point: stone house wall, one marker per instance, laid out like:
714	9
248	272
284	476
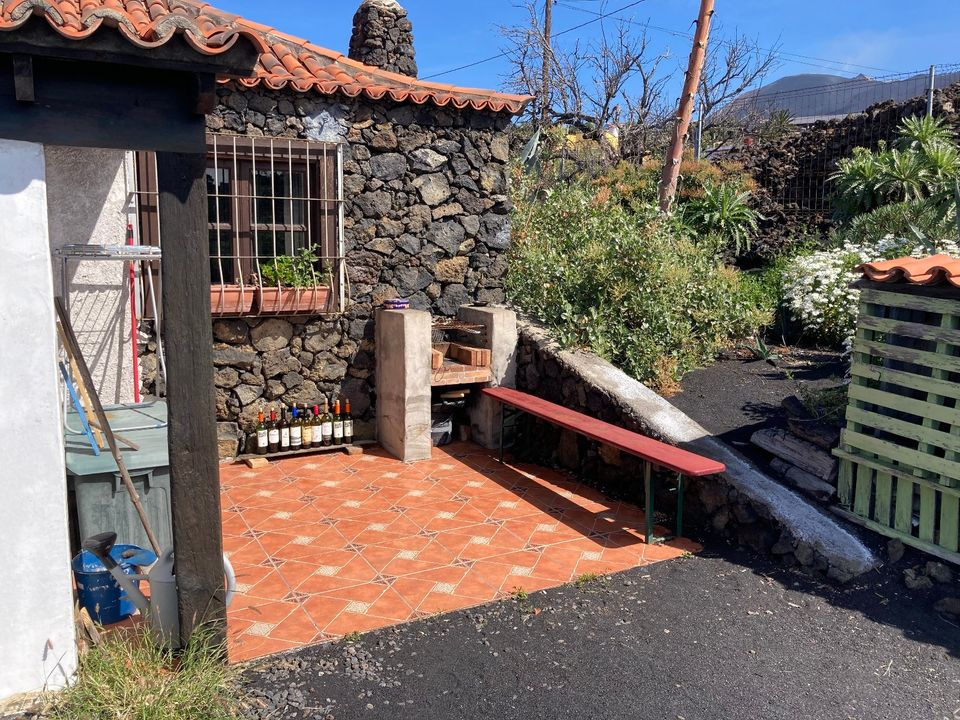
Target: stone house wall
427	218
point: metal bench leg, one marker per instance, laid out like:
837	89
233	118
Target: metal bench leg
648	492
679	504
502	410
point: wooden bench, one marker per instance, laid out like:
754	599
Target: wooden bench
652	452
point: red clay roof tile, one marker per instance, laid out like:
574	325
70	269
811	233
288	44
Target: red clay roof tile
285	60
933	270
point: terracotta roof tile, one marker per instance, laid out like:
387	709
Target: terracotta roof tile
285	60
933	270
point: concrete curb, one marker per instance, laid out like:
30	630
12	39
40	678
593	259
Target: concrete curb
845	555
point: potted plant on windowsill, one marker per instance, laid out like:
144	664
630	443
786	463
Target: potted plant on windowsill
291	285
231	300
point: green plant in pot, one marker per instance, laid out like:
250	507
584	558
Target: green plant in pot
292	284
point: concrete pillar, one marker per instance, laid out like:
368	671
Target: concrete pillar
37	647
500	326
403	383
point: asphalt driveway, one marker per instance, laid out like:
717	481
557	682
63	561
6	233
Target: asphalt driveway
721	635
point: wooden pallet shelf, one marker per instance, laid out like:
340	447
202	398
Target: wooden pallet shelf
900	453
307	451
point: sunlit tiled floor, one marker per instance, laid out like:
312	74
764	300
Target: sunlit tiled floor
331	544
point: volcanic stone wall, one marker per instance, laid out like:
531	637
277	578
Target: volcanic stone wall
793	173
383	37
427	218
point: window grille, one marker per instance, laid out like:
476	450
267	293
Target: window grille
275	224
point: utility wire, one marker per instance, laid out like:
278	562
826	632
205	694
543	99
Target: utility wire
598	18
779	53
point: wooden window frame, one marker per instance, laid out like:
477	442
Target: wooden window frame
243	156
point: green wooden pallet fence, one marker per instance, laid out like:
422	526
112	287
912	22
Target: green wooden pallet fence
900	452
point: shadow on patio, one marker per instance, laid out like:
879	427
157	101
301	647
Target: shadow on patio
332	544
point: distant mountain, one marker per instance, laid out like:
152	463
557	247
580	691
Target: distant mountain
810	96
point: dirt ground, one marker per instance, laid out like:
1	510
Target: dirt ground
738	395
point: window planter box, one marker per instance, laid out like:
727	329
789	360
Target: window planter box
231	300
292	301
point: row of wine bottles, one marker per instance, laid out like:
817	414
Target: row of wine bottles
304	428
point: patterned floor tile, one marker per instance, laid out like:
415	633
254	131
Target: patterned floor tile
332	544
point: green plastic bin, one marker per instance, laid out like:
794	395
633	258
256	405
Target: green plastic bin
102	501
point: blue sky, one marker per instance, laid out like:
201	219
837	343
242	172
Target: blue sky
883	35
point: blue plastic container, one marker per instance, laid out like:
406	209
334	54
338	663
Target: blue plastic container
98	592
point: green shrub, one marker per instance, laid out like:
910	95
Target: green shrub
625	284
292	271
724	211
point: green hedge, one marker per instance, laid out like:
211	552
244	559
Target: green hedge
625	283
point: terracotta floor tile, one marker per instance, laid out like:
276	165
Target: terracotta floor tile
436	602
271	613
393	606
296	628
412	589
272	587
321	583
331	544
362	593
250	647
324	609
346	623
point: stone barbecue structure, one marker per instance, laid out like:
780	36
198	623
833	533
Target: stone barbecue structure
426	214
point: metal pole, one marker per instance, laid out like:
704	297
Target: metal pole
547	59
933	87
698	140
671	166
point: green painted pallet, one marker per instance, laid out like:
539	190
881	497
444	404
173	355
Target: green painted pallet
900	452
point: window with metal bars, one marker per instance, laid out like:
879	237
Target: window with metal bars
275	220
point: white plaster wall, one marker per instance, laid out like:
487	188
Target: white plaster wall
37	647
89	202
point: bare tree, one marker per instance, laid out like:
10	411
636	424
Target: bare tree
613	81
733	66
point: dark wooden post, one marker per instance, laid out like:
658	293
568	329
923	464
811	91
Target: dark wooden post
195	483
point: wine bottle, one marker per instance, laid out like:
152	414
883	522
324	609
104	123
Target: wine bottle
337	424
347	424
296	429
273	433
284	431
327	424
263	440
307	421
317	427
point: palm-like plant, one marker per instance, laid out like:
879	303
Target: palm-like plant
857	183
723	210
917	177
919	132
904	175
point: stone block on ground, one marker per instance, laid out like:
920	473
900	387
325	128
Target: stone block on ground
805	455
802	480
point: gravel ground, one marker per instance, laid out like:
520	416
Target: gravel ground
721	635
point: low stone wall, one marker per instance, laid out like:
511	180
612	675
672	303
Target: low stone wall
743	505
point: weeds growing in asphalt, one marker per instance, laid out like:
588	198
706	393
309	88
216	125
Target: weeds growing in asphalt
128	677
586	579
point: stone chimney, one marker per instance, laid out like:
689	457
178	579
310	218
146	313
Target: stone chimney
383	37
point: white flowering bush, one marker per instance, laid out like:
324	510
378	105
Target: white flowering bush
817	288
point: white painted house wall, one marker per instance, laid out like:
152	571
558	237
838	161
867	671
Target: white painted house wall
90	201
37	647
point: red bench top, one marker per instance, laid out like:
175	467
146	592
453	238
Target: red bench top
667	456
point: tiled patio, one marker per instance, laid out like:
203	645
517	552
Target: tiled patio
331	544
